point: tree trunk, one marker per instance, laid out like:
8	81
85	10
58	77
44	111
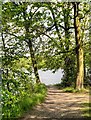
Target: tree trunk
34	63
28	40
33	59
56	26
66	12
79	49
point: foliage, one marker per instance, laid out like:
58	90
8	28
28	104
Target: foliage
14	105
19	91
45	32
34	98
48	23
69	89
87	107
86	110
73	90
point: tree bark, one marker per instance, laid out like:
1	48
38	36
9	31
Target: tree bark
34	63
29	42
33	59
66	12
56	26
79	49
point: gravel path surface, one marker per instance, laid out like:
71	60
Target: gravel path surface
58	105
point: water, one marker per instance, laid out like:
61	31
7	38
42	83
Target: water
49	78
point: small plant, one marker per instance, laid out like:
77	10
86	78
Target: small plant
15	105
69	89
73	90
84	90
87	110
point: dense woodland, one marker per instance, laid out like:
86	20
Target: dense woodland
45	36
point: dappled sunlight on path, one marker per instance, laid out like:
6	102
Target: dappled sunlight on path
58	105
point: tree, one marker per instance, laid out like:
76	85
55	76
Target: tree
79	48
18	12
60	20
29	42
69	58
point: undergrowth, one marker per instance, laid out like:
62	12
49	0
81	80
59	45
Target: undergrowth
16	106
37	97
86	110
72	89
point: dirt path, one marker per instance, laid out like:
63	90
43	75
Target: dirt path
58	105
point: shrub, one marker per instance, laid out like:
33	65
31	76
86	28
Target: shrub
15	105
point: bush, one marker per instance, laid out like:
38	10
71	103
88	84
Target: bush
15	105
36	97
39	88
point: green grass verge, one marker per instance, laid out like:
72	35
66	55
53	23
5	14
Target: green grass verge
26	102
37	97
86	110
73	90
86	106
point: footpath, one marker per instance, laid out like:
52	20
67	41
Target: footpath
58	105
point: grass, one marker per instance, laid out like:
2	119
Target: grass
86	110
69	89
25	103
72	89
37	97
86	106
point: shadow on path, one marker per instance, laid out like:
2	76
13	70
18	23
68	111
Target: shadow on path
58	105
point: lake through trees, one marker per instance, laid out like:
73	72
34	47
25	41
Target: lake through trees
50	78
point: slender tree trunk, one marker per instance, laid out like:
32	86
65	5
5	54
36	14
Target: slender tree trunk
32	53
65	10
56	26
79	49
67	59
34	62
